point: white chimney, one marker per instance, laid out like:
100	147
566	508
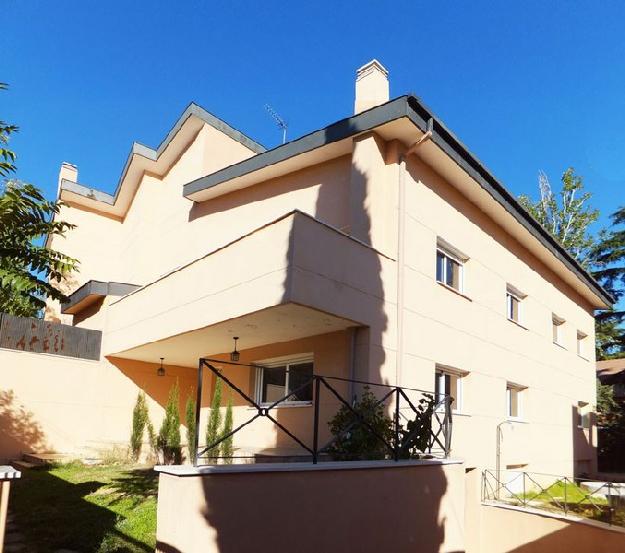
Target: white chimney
68	172
371	86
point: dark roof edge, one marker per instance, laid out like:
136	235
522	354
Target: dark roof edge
142	150
454	148
97	288
424	119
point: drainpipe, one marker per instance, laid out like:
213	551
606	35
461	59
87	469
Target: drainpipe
498	456
352	366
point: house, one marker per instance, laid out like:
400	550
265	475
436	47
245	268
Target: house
375	249
611	372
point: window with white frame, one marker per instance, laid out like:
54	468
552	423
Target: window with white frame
557	327
448	381
283	377
514	396
582	343
583	414
514	299
450	266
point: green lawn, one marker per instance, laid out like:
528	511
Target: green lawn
101	509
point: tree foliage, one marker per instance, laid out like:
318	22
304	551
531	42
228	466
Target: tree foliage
214	422
139	422
169	434
227	449
29	272
190	420
566	216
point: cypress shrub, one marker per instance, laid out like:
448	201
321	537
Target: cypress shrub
226	446
169	435
139	421
214	422
190	420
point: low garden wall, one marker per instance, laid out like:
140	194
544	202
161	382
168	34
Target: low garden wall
360	506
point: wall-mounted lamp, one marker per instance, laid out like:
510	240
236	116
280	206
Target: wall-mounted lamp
234	355
161	370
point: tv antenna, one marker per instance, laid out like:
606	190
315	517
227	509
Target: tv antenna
282	124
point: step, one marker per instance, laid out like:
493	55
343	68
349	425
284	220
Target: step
43	459
22	465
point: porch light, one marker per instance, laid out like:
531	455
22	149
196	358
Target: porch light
234	355
161	370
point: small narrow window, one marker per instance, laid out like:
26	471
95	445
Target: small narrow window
583	414
557	327
449	267
514	300
449	382
581	344
513	401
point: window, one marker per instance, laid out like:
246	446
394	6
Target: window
449	266
514	394
448	381
581	343
514	299
557	328
292	377
583	414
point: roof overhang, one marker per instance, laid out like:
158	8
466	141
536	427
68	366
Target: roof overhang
92	291
407	119
158	161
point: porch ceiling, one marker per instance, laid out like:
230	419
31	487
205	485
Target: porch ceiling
273	325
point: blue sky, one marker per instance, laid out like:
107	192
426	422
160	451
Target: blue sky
526	85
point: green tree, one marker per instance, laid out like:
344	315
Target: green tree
29	272
169	434
214	422
190	420
139	421
354	440
227	448
609	260
566	216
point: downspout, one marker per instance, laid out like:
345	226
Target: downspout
401	241
351	391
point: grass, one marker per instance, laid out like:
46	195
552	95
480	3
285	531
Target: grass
104	509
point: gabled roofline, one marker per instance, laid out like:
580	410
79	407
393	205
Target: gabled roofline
141	150
424	119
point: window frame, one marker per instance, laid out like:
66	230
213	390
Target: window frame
515	293
455	255
557	326
443	371
287	362
583	415
518	390
582	344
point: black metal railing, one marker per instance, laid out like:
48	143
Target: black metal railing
394	423
563	495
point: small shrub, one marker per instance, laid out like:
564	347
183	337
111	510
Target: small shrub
169	435
190	420
227	448
139	420
414	439
214	422
353	439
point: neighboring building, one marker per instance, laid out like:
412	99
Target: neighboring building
611	372
377	248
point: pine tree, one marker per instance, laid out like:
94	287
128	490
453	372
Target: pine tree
190	420
169	434
227	448
214	422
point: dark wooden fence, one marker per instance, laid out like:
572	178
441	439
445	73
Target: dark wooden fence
39	336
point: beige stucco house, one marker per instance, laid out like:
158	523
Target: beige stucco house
378	248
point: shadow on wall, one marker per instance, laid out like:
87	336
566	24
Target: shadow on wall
315	511
19	430
584	446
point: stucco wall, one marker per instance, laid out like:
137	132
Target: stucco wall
506	530
60	404
418	508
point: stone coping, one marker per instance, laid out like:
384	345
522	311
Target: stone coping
9	473
189	470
